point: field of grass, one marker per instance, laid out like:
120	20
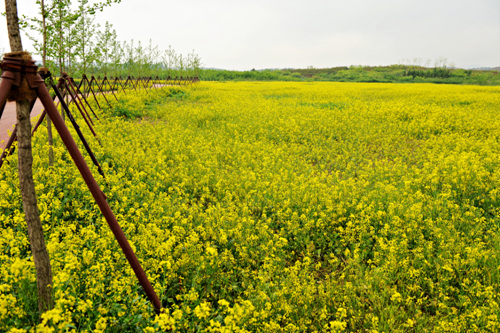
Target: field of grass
382	74
272	207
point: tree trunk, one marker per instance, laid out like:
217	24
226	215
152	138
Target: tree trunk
61	57
35	230
44	62
25	161
13	25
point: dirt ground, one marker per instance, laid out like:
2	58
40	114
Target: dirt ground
8	120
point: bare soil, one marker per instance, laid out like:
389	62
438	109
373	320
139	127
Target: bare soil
9	120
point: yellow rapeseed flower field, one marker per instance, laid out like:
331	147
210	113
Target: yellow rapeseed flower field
271	207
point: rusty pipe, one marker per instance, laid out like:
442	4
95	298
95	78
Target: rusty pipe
85	79
76	100
78	131
100	88
81	112
80	95
93	186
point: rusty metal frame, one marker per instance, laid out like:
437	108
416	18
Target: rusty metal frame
143	82
9	148
76	98
90	89
93	79
105	79
116	82
126	81
77	128
81	96
13	71
87	118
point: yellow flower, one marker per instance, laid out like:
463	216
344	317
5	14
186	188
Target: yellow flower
202	310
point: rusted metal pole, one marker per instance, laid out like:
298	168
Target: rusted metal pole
119	82
98	196
81	112
39	122
9	148
114	84
125	83
102	92
43	75
143	84
37	83
81	96
110	86
76	98
80	85
131	82
91	89
147	83
5	87
78	131
84	77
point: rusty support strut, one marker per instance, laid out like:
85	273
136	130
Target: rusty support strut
81	96
89	89
77	129
13	69
9	148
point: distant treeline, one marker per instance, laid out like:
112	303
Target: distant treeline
393	73
68	40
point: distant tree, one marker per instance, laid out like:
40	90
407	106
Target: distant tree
140	54
169	60
86	30
105	40
181	64
48	25
153	58
116	57
195	63
45	25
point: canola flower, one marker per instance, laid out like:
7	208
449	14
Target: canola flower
271	207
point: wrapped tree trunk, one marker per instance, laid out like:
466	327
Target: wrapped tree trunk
22	95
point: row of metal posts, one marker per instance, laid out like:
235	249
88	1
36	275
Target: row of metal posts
15	70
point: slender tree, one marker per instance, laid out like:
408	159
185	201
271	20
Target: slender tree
181	64
140	53
44	25
44	13
86	30
105	44
154	56
88	53
116	57
27	186
130	57
170	60
196	64
46	30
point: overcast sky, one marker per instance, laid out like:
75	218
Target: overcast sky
242	35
